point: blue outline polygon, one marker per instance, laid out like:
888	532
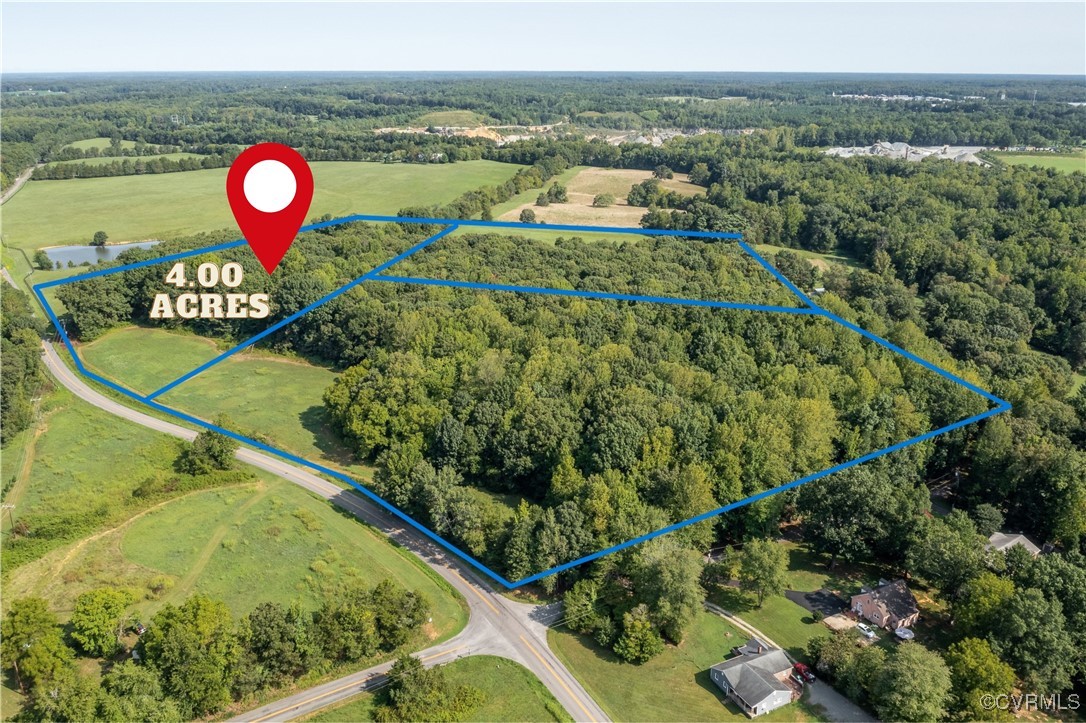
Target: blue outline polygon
809	308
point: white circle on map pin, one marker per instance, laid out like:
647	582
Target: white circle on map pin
270	186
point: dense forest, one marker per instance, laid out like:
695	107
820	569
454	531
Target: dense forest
335	116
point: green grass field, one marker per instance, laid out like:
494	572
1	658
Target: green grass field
786	623
273	542
18	264
99	143
258	539
673	686
512	693
133	208
820	260
144	359
103	160
244	544
271	398
454	118
77	459
1064	162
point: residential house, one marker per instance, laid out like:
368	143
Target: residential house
890	605
1003	541
757	683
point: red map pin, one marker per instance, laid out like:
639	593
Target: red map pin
270	188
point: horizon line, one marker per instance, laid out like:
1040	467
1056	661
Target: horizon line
1005	74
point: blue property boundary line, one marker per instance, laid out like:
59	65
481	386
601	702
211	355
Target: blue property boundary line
810	309
301	312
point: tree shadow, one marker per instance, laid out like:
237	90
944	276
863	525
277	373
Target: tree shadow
603	653
315	420
732	599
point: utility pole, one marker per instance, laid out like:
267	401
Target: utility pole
9	507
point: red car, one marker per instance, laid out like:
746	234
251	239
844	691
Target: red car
804	671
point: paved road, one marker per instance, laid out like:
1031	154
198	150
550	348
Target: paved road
496	625
18	182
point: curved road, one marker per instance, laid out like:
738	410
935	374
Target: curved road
496	625
18	182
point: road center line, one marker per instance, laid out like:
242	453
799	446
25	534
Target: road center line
576	699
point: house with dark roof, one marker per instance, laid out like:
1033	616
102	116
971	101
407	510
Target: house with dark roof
754	646
890	605
757	683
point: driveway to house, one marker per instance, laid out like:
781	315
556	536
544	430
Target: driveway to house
837	707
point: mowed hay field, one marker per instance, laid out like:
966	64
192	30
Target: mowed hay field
673	686
101	143
133	208
1063	162
584	184
511	693
274	399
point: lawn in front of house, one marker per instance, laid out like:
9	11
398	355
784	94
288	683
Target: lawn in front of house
673	686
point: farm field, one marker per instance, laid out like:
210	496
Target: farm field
18	265
453	118
144	359
673	686
134	208
584	184
512	694
100	143
1064	162
239	387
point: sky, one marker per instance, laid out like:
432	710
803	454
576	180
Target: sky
909	37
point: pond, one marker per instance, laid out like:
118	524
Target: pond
92	254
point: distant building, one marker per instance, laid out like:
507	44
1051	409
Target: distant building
757	683
890	605
1003	541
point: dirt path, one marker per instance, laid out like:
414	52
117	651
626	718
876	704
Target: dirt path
14	187
185	585
57	568
741	624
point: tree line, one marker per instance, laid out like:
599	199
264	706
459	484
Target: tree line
340	117
22	377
